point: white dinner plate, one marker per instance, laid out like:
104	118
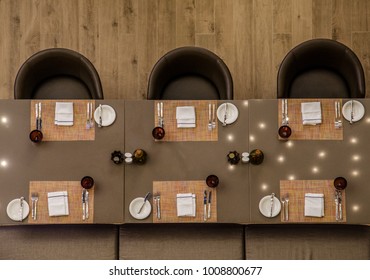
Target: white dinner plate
358	111
232	113
265	206
135	206
108	115
14	209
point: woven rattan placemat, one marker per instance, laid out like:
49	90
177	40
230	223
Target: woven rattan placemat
74	190
297	190
324	131
199	133
168	191
52	132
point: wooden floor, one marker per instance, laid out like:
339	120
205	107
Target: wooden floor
124	38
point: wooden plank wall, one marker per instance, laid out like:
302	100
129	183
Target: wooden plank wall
124	38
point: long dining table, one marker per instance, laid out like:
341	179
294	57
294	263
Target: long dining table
241	187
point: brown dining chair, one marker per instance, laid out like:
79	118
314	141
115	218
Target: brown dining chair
190	73
57	73
321	68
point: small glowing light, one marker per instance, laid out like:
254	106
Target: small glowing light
353	140
264	187
322	154
245	103
291	177
368	120
231	167
281	158
355	173
252	138
262	125
356	157
355	208
315	169
289	144
4	163
4	119
230	137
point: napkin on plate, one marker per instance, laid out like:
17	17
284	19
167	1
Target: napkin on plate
311	113
185	116
58	203
186	204
64	113
314	204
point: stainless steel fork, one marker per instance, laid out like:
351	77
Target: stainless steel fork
34	199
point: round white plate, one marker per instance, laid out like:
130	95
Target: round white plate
135	206
108	115
265	206
358	111
14	209
232	113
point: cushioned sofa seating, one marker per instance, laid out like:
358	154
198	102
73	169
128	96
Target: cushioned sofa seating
181	241
318	242
53	242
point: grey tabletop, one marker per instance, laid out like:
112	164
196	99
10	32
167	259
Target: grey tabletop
23	161
191	160
310	160
241	186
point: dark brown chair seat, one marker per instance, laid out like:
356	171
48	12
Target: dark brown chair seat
321	68
190	73
57	74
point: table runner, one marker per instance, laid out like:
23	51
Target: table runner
297	190
52	132
325	131
74	190
199	133
168	191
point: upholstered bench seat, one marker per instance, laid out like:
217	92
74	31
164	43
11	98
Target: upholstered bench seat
181	241
59	242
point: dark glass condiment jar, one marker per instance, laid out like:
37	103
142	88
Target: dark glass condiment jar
139	156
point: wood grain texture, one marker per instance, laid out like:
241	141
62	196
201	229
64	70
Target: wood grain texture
125	38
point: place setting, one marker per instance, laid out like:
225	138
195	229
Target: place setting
63	120
309	119
179	120
60	202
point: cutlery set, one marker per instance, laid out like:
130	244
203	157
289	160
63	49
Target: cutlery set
34	199
38	116
160	114
85	204
284	108
207	203
338	117
211	116
89	116
285	203
338	206
157	201
351	117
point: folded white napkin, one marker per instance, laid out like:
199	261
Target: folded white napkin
314	204
58	203
186	205
185	116
311	113
64	113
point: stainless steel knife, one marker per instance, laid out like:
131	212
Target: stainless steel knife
145	199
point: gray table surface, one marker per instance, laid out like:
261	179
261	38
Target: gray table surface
60	161
241	186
